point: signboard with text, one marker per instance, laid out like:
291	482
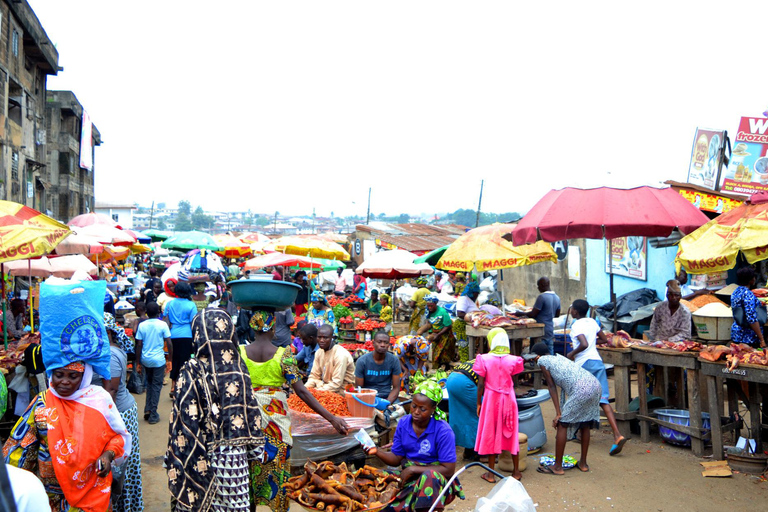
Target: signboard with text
628	256
748	169
709	202
706	158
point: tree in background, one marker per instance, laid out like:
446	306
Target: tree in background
404	218
200	220
183	220
161	225
468	218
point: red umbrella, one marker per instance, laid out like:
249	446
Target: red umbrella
607	213
87	219
279	259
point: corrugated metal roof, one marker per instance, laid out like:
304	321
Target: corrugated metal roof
414	237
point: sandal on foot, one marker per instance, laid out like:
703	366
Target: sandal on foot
616	448
546	470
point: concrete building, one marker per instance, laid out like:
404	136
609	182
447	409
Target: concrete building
27	57
122	213
71	190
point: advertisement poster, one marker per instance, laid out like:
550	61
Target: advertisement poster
748	169
86	138
629	257
710	202
706	158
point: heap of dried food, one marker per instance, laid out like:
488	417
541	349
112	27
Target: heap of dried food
335	404
330	488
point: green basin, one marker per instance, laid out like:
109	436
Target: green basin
250	293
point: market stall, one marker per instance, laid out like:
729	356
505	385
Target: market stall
661	358
621	359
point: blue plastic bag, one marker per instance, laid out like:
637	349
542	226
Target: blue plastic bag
72	325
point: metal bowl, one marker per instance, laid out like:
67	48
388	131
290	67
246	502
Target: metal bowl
251	293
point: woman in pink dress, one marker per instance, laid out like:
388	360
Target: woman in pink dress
496	403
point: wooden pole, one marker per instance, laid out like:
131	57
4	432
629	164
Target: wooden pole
479	203
368	215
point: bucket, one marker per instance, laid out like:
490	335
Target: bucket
361	410
680	417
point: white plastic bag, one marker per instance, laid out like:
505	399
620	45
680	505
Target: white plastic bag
509	495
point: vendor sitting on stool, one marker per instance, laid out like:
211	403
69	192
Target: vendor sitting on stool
379	369
425	446
333	368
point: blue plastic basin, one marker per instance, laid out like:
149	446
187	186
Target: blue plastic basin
251	293
679	417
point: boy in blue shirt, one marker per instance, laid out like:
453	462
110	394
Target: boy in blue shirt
151	336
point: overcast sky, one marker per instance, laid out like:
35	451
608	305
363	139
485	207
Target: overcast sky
289	105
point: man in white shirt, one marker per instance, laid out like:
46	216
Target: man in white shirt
28	491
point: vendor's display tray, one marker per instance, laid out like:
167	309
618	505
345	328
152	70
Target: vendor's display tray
665	351
375	509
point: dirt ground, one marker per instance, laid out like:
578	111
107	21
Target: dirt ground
650	476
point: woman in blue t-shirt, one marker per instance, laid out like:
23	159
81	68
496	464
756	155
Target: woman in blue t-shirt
179	313
425	446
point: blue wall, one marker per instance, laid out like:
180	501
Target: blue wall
660	269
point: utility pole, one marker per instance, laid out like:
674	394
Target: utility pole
151	214
368	216
275	227
313	220
479	202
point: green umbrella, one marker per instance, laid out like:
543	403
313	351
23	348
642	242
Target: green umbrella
186	240
327	264
156	235
432	257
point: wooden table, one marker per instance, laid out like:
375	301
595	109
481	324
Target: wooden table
621	359
477	336
659	357
716	372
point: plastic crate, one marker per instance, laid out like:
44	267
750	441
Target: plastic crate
679	417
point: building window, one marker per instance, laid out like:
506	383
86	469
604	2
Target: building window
114	217
15	43
15	165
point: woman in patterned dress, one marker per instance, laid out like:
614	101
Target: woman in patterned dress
271	368
413	353
215	429
744	298
321	313
581	411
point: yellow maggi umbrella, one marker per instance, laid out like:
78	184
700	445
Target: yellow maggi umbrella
485	249
27	233
310	247
715	245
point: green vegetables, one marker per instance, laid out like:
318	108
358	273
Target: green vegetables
340	311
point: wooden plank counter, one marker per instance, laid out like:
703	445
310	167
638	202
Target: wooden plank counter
659	357
716	374
621	359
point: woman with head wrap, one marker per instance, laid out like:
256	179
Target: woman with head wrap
418	318
272	368
215	429
439	325
458	287
130	498
413	352
169	292
425	446
496	404
465	304
69	437
320	313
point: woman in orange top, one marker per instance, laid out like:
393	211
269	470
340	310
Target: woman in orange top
69	436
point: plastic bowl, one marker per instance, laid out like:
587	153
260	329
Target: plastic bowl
250	293
680	417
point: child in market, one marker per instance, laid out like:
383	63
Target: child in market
497	429
585	333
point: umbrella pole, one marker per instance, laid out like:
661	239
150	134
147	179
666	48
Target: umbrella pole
501	287
5	324
31	298
610	277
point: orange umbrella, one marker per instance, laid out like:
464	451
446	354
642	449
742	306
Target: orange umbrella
309	247
250	238
231	247
65	266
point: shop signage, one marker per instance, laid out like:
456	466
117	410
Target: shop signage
706	158
561	249
710	202
628	258
748	169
